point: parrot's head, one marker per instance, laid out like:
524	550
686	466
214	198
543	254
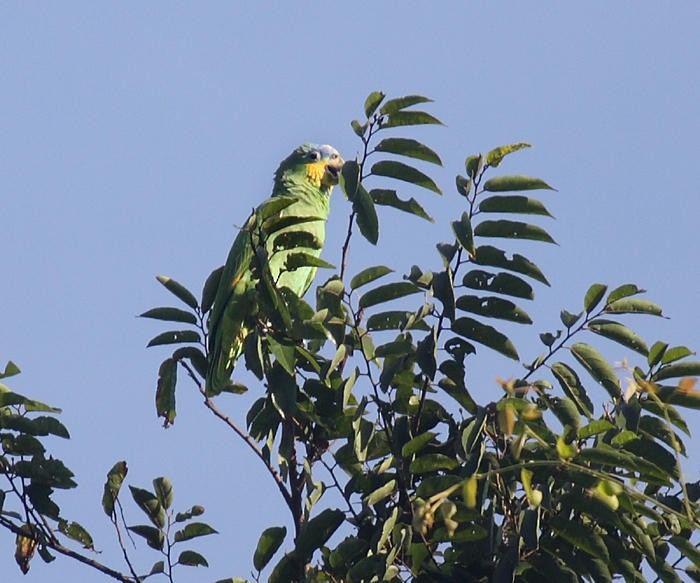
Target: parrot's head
320	166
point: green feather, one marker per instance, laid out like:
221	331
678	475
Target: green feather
296	211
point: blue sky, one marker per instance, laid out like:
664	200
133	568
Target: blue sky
133	137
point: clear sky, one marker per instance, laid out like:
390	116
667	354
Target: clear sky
134	136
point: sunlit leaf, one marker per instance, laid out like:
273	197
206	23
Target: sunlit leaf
401	171
381	493
76	532
417	443
623	291
433	462
512	230
495	156
656	352
163	489
151	506
473	165
11	369
675	353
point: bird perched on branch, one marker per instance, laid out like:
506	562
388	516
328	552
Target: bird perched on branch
295	214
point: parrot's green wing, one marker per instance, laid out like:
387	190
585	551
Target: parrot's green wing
294	216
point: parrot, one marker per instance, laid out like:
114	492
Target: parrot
305	179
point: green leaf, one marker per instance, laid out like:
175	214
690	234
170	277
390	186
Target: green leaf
513	204
674	371
369	274
593	296
165	391
381	493
493	308
623	291
277	223
171	315
372	102
394	105
350	179
296	239
192	559
317	531
595	427
270	541
473	164
11	369
656	352
389	198
195	356
154	537
433	462
409	118
299	259
194	511
192	530
581	537
359	128
401	171
211	286
569	319
367	220
512	230
76	532
515	183
164	491
495	156
115	478
417	443
408	147
492	256
618	333
387	292
463	184
675	353
272	207
174	337
501	283
151	506
485	335
633	306
464	234
178	290
599	368
572	387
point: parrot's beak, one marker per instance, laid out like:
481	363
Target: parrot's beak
332	171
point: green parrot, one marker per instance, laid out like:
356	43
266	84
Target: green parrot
305	178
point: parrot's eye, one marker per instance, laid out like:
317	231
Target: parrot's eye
314	156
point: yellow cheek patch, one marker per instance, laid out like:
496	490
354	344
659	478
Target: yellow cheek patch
315	172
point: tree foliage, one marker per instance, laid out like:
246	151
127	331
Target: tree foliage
391	468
